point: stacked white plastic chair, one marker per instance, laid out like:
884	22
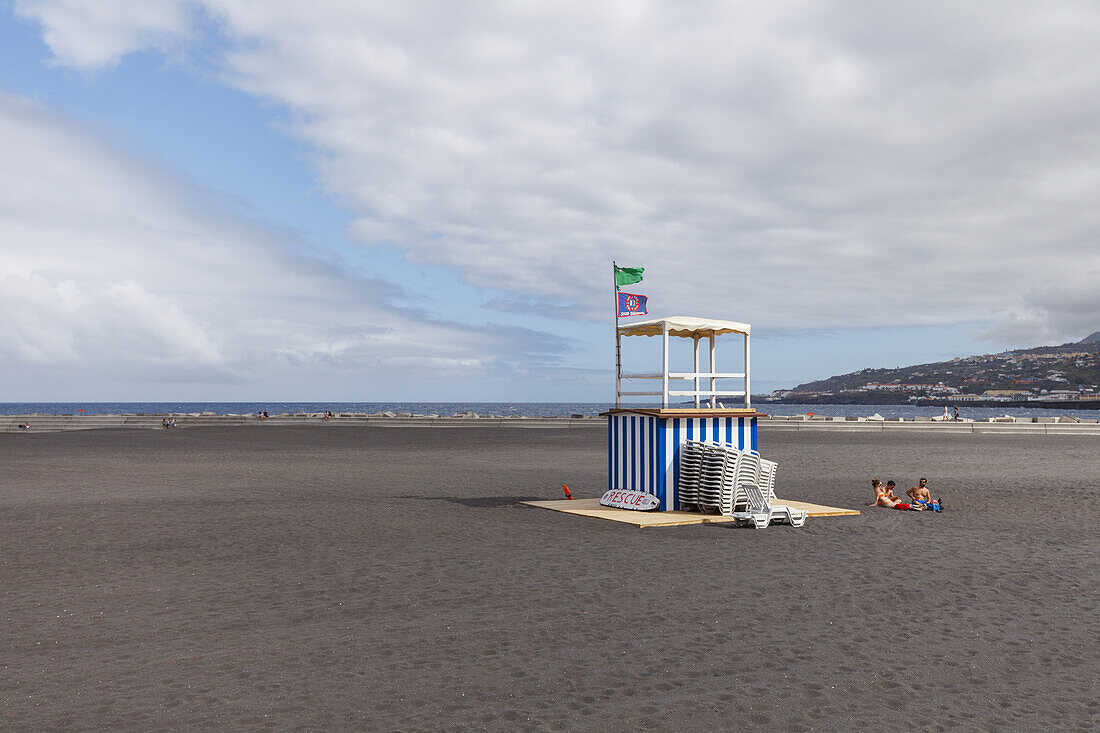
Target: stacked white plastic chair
747	472
712	478
727	493
711	474
737	483
767	478
691	466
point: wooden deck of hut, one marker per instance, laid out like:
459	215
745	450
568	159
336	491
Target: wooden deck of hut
593	508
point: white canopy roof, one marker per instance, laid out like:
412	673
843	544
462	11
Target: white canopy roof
685	326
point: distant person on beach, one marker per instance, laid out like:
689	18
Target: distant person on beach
946	415
920	492
890	486
956	413
884	496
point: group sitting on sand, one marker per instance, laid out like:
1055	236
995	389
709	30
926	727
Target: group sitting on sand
921	497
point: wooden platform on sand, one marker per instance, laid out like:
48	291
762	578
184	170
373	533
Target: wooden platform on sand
593	508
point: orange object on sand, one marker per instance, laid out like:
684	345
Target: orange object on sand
568	493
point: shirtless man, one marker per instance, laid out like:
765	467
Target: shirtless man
920	492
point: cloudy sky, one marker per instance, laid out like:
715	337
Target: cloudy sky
248	200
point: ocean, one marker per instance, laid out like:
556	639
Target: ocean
536	409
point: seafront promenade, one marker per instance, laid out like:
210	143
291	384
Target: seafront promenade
1046	425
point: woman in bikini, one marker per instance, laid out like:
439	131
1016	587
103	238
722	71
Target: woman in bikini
884	496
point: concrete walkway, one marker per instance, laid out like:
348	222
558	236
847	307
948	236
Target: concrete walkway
1026	425
58	423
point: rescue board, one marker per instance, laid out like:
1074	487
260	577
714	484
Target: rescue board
636	500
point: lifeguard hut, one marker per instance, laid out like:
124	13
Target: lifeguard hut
644	442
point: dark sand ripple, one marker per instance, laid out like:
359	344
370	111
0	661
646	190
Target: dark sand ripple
387	579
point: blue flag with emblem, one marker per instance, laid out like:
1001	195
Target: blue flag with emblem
632	305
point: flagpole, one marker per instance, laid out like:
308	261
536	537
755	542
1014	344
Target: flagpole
618	341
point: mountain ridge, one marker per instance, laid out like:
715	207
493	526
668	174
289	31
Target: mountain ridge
1066	371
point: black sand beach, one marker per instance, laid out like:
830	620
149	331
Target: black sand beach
387	579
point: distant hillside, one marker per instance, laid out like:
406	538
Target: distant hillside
1042	371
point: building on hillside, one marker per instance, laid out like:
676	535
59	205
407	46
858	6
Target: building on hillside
940	388
1009	393
1061	394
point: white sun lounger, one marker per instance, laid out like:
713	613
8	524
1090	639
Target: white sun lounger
762	512
767	478
747	472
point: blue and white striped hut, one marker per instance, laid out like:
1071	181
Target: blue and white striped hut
644	443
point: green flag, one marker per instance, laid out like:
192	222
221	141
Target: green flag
628	275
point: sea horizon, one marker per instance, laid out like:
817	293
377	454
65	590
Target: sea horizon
505	408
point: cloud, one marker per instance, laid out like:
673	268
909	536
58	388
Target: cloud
1061	311
802	165
116	269
89	36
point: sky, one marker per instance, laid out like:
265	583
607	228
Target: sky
235	200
